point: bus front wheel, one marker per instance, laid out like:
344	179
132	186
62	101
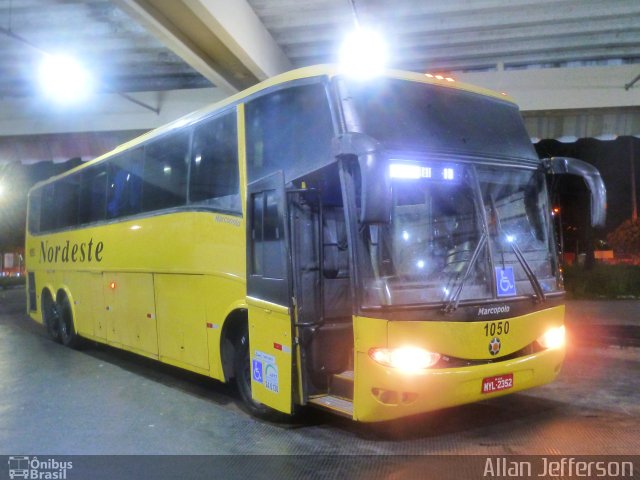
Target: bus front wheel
68	334
242	366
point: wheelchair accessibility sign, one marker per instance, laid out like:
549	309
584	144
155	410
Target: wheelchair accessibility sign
257	371
505	282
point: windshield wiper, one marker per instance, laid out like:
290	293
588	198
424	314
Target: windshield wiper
510	239
455	298
528	271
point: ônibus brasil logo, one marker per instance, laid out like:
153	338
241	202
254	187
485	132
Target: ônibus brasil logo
36	469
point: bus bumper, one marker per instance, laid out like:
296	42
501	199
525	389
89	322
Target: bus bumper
382	393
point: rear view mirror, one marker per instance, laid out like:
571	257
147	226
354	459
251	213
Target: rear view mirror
375	202
591	176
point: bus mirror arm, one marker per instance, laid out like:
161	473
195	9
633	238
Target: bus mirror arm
375	205
590	175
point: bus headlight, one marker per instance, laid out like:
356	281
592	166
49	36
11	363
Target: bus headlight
406	359
553	338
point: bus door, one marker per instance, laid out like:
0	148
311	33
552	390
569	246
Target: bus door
269	296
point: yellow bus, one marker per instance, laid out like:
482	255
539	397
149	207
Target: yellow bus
378	248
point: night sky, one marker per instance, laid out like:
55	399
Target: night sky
612	158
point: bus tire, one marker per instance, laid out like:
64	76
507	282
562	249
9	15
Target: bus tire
242	367
51	318
68	335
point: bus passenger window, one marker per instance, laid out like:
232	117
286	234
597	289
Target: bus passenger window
214	180
125	184
165	172
48	212
93	195
290	129
35	205
65	197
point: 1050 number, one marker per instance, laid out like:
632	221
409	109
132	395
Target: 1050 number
496	328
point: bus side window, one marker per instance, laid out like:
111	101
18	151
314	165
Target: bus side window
65	197
165	172
35	206
125	184
290	129
214	180
93	195
48	212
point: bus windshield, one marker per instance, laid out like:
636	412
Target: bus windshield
438	222
414	116
435	227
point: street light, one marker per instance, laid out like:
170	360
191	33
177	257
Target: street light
63	78
363	53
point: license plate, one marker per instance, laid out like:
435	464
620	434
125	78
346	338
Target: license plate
495	384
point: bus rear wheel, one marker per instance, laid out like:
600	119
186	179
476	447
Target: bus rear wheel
68	334
242	366
51	317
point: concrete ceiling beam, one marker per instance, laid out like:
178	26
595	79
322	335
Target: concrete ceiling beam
224	41
238	26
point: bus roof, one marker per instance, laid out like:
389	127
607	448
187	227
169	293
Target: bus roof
328	70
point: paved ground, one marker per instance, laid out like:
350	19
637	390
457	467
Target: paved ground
103	401
615	322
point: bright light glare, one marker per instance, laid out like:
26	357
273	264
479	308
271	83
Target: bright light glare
405	234
64	79
553	338
413	172
405	359
510	238
420	264
399	170
363	54
447	173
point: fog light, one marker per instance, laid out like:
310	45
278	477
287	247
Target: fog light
553	338
405	359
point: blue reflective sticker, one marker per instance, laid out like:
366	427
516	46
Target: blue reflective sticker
505	281
256	371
